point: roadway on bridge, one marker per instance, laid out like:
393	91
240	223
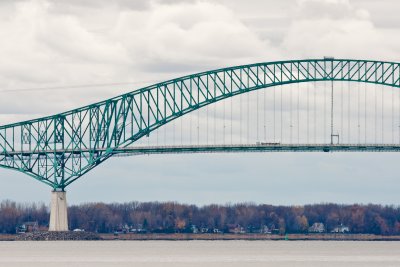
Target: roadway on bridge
223	148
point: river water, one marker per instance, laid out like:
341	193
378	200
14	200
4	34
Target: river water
199	253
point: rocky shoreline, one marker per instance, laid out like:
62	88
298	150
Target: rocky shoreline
55	236
248	237
82	236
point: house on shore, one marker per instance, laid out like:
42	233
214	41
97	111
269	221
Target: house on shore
317	227
27	227
341	229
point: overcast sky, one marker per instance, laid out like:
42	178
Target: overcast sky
56	47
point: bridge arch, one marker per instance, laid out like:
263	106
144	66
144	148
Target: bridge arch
59	149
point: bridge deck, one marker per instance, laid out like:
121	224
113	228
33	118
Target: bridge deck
259	148
235	148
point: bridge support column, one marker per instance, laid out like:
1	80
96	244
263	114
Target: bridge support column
58	211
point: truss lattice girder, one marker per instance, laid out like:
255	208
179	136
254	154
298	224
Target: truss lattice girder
59	149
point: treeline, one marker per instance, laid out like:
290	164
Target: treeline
172	217
13	215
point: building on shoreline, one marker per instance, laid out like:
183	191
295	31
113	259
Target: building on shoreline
317	227
341	229
27	227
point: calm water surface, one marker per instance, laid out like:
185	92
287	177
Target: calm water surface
199	253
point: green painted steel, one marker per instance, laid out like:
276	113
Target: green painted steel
256	148
59	149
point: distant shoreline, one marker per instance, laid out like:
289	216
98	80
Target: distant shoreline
228	237
289	237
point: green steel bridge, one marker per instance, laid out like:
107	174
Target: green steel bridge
57	150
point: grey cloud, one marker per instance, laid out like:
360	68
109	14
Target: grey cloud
122	4
173	2
316	9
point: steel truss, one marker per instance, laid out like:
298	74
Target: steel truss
59	149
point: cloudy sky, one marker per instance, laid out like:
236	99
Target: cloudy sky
58	55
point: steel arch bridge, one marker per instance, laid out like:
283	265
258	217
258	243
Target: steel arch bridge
59	149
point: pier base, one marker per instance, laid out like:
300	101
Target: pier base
58	211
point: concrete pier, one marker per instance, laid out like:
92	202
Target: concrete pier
58	211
